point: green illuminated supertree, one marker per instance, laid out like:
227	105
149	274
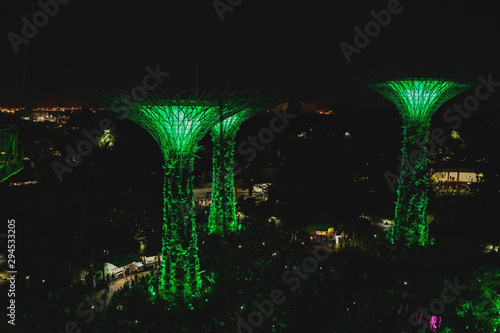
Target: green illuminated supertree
416	99
178	121
222	218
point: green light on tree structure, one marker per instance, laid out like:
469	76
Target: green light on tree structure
10	159
479	306
178	121
223	207
416	99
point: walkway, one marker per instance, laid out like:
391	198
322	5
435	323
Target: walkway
115	285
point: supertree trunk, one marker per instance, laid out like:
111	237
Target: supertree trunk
417	98
223	208
180	268
411	224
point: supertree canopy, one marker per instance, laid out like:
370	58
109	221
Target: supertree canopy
416	99
10	159
178	121
222	216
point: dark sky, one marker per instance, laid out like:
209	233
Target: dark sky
278	45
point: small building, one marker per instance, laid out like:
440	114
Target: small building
116	266
149	260
96	274
202	195
457	175
325	231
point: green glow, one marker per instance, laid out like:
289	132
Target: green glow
178	126
180	267
12	173
223	207
231	125
416	99
410	225
479	306
10	159
178	121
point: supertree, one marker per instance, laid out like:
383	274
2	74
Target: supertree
178	121
222	218
417	99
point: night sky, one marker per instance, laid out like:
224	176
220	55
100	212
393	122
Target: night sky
332	171
291	47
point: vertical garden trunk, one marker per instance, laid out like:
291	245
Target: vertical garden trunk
180	268
223	200
410	224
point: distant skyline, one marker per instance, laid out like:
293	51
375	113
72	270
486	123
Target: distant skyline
273	46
